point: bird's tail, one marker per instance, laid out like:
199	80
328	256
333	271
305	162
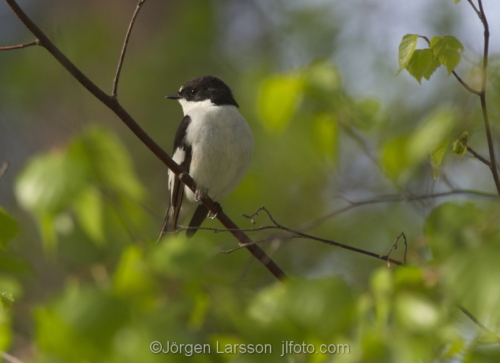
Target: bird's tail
167	225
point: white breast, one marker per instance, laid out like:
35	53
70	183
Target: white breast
222	147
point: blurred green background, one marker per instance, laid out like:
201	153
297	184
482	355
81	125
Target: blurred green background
83	280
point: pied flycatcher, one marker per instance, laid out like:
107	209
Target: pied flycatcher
213	143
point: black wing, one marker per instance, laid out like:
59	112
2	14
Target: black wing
177	192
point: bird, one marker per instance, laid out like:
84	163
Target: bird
213	144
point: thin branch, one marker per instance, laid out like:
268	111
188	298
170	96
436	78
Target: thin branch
462	82
467	87
298	234
475	9
219	230
488	332
10	358
482	95
113	104
479	157
395	246
124	48
20	46
392	198
3	168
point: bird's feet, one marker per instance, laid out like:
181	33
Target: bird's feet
199	194
218	208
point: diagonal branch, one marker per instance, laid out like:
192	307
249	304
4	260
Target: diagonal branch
479	157
467	87
124	48
3	168
113	104
482	94
478	13
394	198
488	332
460	80
298	234
20	46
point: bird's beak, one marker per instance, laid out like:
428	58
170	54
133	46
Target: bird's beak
174	96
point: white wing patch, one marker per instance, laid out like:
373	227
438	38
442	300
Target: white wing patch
178	157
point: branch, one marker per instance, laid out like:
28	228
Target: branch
479	324
462	82
352	205
20	46
482	94
3	168
10	358
124	48
391	198
479	157
475	9
298	234
113	104
395	246
467	87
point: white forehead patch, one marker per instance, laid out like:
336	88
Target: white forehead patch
180	89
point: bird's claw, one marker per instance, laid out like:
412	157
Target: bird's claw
213	216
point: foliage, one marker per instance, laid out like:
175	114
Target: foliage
90	285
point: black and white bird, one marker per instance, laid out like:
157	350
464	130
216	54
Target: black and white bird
213	143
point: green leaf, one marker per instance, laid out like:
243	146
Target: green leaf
132	277
88	207
305	306
406	49
422	64
175	257
460	145
447	50
437	154
8	228
404	152
5	323
431	134
6	300
325	135
49	182
417	313
395	156
322	79
48	232
457	1
108	162
278	99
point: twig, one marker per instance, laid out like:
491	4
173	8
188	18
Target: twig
113	104
482	94
3	168
391	198
467	87
10	358
308	236
475	9
479	157
20	46
395	246
219	230
479	324
462	82
124	48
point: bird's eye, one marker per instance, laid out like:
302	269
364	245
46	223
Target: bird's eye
193	91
